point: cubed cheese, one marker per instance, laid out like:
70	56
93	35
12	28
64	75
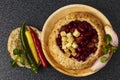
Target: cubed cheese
68	45
64	47
67	53
64	39
76	33
70	39
69	35
74	45
74	54
72	50
63	33
64	43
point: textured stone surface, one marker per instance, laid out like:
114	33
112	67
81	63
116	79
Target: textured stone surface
35	12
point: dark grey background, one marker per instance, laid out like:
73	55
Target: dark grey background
13	12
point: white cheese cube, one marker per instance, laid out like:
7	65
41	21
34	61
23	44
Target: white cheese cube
76	33
72	50
64	47
70	39
63	33
69	35
64	39
74	45
64	43
68	45
66	50
67	53
74	54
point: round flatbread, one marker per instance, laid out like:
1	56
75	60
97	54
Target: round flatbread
14	41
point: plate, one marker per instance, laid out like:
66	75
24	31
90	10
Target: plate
49	25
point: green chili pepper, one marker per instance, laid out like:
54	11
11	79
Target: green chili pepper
28	53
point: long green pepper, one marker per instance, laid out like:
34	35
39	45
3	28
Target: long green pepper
28	53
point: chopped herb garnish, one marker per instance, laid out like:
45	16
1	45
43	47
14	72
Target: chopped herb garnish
18	52
22	60
106	48
104	59
15	51
13	63
114	49
20	55
107	38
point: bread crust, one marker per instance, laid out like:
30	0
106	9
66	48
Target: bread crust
14	41
59	56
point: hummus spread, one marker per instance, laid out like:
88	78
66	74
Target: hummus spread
71	63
